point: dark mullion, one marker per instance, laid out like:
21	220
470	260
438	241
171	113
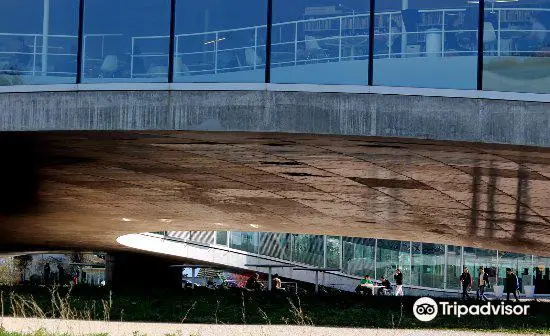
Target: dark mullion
80	42
172	39
371	43
480	46
268	41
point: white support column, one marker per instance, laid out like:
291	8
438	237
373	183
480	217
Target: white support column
445	267
325	254
375	256
316	282
341	261
269	278
45	34
498	267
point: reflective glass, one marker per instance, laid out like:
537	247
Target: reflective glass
308	249
245	241
517	45
542	275
358	256
275	245
428	265
429	44
392	254
126	40
38	41
220	41
475	258
320	41
221	238
333	251
205	237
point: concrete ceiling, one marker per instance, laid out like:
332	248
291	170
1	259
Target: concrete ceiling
84	189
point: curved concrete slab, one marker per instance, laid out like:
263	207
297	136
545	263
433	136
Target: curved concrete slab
83	190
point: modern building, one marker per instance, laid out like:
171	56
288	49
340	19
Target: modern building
399	121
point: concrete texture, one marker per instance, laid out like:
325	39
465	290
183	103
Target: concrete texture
438	118
163	329
83	190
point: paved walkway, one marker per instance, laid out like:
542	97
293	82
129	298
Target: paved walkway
163	329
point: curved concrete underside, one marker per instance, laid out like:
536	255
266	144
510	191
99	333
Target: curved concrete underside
85	189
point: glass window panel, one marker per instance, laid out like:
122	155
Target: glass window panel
542	275
517	45
426	44
358	256
205	237
333	252
38	41
308	249
221	238
320	41
126	40
475	258
245	241
392	254
275	245
220	41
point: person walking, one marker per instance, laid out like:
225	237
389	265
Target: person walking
482	282
398	277
466	282
512	284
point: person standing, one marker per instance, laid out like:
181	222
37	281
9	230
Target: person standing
482	282
512	284
398	277
466	282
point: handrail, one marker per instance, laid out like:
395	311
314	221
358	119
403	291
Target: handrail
293	56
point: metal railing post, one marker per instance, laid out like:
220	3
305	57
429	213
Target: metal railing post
216	52
171	39
80	52
340	42
498	33
389	37
443	34
132	60
34	57
295	43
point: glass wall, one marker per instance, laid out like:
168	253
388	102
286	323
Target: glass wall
320	41
245	241
220	41
126	41
334	247
308	249
358	256
38	41
517	46
422	264
417	43
275	245
426	43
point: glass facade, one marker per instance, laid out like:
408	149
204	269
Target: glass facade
426	43
320	42
517	46
220	41
126	40
412	43
423	265
38	42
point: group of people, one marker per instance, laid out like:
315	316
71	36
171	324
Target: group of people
253	283
367	285
482	282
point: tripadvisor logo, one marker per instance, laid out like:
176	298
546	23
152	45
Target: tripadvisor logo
426	309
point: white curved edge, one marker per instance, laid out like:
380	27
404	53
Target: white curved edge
319	88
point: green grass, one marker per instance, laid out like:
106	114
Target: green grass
234	307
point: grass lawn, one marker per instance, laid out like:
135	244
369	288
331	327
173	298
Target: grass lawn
236	307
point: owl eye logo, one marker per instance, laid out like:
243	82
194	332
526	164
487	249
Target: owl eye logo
425	309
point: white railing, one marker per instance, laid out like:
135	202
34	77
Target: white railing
328	39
